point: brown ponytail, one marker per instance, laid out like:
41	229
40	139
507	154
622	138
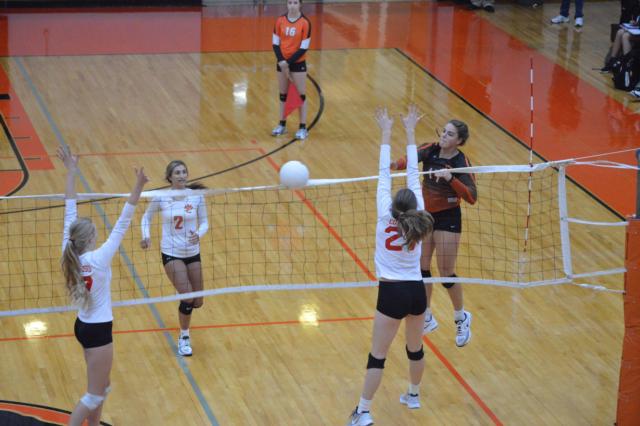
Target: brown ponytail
414	224
80	234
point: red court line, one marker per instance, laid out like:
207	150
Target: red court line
362	266
462	381
197	327
428	342
326	224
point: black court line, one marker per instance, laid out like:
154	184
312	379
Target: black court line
315	121
505	131
281	147
16	152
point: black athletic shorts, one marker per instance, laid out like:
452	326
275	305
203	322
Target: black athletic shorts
93	334
296	67
398	299
449	220
187	260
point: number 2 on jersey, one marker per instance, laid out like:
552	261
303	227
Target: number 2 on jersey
178	221
88	281
388	243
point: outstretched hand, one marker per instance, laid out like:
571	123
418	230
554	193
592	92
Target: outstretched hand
69	160
411	119
141	178
384	121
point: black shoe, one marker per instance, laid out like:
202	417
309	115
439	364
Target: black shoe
489	8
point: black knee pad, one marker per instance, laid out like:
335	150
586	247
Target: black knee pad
426	273
415	356
303	97
283	97
198	303
375	362
449	285
185	308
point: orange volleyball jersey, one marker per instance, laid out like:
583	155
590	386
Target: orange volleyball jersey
291	36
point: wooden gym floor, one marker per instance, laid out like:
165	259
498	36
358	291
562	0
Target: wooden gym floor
126	88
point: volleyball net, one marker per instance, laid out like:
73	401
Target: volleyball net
271	238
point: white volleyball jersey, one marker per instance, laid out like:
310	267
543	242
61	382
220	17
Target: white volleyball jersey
95	266
394	260
180	220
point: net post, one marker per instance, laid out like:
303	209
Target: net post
628	411
563	210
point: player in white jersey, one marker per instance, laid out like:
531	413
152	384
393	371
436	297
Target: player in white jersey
401	226
184	223
87	272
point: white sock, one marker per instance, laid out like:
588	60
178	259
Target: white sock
184	333
414	389
429	315
364	405
459	315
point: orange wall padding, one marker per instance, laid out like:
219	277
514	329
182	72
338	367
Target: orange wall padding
628	413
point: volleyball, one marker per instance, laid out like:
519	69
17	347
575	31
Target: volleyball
294	175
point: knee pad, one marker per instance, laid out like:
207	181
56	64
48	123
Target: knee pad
197	303
375	362
185	308
415	356
303	97
283	97
426	273
91	401
449	285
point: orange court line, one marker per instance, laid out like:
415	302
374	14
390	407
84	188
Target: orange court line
462	381
197	327
431	346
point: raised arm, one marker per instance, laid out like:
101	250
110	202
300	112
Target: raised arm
108	249
413	178
70	162
383	196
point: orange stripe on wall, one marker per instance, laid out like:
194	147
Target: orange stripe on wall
481	63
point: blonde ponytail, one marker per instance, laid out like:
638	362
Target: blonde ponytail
80	233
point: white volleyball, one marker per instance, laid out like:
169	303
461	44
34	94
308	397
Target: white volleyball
294	175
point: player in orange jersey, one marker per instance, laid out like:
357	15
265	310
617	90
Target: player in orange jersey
443	192
291	39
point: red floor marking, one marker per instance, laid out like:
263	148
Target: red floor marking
462	381
10	180
371	276
326	224
197	327
21	129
